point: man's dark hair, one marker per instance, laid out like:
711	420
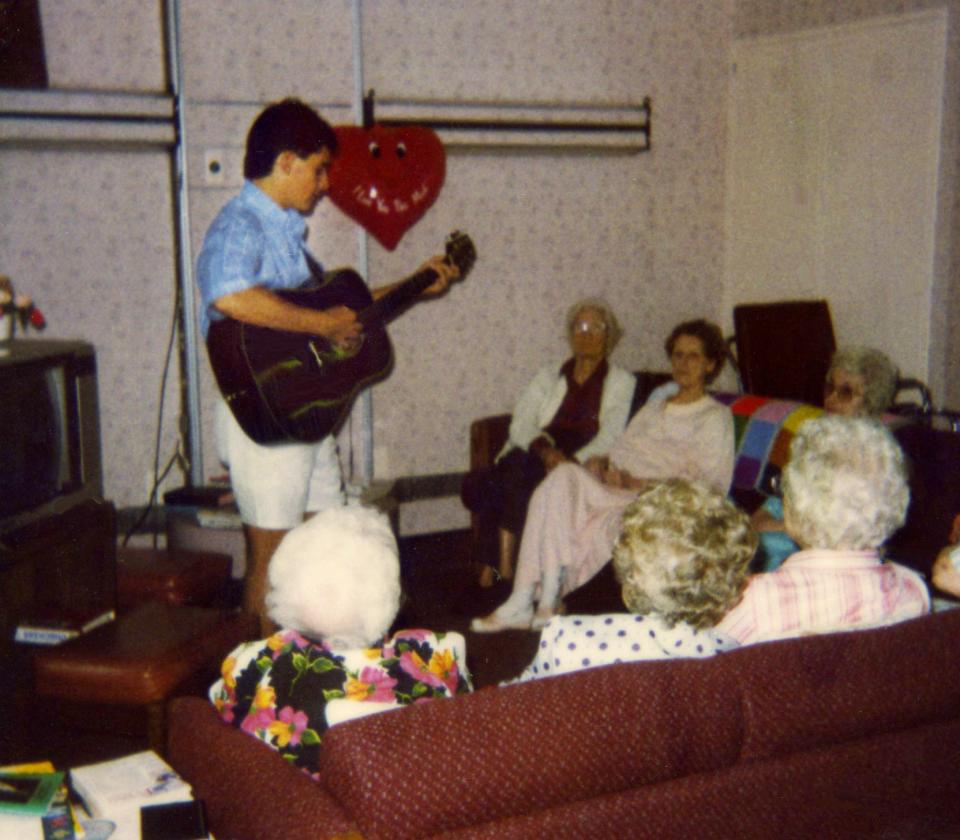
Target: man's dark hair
287	126
714	347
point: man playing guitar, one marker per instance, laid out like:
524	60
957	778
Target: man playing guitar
254	247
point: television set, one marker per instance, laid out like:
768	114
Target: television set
50	456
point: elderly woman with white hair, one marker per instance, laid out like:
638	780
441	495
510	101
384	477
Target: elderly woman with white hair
682	559
569	412
334	589
845	494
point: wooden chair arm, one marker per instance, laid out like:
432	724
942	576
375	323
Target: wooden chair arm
487	437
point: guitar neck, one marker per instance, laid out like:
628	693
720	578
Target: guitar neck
383	309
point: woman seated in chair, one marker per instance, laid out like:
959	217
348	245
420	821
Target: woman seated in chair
569	412
334	590
574	516
677	578
861	382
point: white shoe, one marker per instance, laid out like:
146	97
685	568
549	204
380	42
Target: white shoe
495	623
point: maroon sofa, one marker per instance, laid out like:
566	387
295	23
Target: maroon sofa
844	735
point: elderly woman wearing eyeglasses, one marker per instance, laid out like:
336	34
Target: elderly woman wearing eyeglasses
860	382
569	412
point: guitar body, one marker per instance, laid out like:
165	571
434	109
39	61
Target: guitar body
297	387
284	386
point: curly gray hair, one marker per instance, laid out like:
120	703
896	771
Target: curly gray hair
845	486
613	331
684	552
879	375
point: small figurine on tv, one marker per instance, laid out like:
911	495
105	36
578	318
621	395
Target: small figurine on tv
17	307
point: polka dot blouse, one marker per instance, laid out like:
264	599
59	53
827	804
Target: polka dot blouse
574	642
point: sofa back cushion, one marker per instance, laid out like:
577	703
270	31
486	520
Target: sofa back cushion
509	751
822	690
504	752
647	382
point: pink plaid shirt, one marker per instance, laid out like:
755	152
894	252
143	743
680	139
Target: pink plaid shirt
824	592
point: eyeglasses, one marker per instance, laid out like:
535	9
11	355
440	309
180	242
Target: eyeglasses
844	392
592	327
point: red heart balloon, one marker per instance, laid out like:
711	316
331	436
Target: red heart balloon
386	178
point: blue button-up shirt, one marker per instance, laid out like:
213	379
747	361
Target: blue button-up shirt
252	242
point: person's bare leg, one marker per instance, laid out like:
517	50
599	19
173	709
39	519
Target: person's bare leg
508	551
261	543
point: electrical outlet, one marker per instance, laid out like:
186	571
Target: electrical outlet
214	167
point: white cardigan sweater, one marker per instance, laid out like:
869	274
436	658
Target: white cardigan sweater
543	396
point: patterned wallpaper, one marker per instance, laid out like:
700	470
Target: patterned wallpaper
496	50
235	51
644	230
764	17
102	45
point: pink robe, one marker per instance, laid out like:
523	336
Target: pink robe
574	520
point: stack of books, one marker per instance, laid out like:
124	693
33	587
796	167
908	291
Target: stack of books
139	790
53	625
34	804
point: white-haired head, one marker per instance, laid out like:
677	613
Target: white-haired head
845	485
336	578
612	329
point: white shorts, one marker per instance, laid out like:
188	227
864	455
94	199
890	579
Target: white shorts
275	485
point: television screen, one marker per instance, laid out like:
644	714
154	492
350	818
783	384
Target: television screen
34	455
49	430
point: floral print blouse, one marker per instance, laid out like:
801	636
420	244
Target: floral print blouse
278	689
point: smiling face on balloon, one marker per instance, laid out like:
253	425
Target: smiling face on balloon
386	178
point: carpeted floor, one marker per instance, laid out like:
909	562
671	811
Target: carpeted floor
441	594
439	582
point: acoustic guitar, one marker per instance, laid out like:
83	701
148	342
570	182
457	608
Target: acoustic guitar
288	386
